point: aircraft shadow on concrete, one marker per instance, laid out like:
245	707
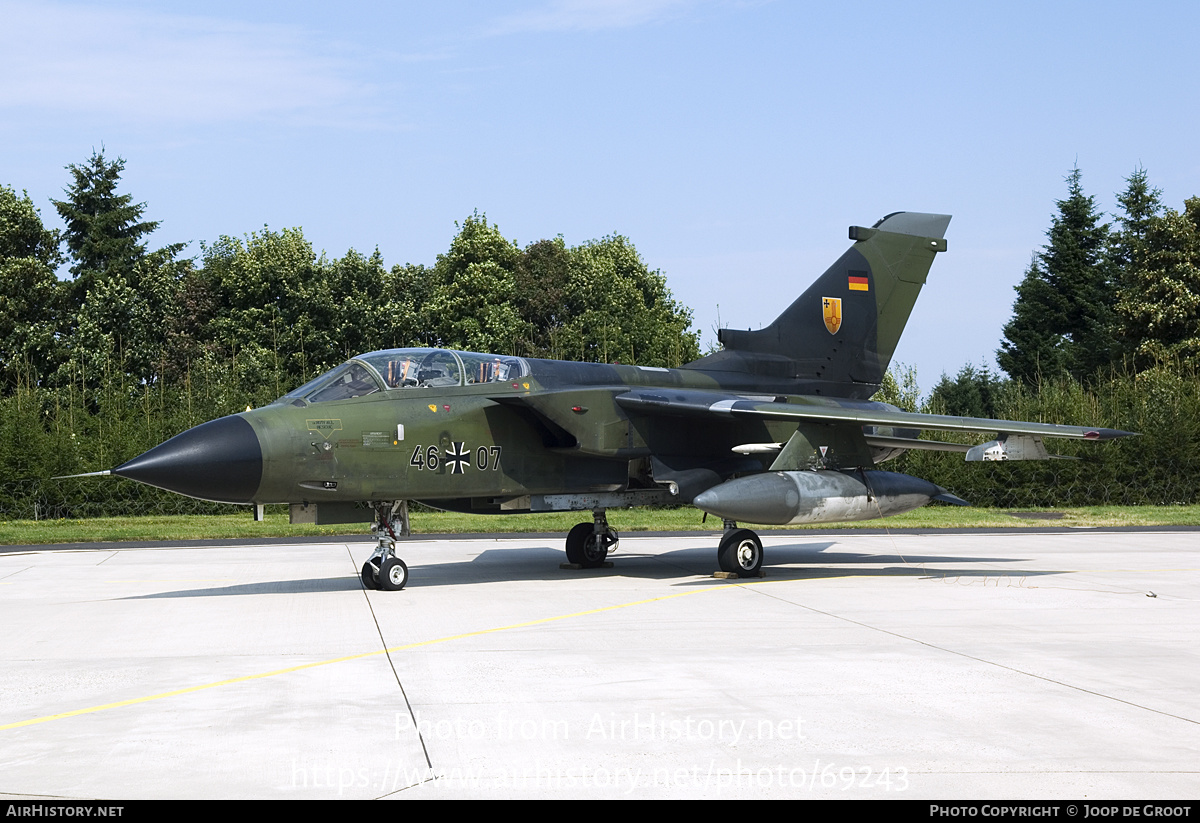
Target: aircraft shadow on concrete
314	585
691	566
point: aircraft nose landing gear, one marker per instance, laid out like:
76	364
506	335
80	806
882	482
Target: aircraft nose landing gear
383	569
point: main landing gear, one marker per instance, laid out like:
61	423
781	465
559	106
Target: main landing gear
740	551
588	544
383	569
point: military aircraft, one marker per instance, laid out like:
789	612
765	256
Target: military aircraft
776	428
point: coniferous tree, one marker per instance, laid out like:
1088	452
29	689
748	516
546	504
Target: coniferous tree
1141	208
1032	346
974	392
1160	304
104	229
1141	204
122	297
1063	315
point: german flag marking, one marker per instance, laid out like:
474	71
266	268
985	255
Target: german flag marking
858	283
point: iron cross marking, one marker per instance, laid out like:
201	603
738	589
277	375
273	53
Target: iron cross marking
458	458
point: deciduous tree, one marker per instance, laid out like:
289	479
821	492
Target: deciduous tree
31	297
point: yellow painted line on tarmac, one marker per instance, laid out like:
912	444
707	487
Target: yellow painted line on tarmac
450	638
177	692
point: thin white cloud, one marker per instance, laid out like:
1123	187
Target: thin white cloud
154	67
590	15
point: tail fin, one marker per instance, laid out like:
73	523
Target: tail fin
838	337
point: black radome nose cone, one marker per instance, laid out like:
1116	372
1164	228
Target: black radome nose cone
220	460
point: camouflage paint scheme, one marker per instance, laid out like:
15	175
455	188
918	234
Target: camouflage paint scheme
496	433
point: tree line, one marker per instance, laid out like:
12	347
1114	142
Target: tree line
1100	302
1102	296
136	344
278	314
1105	331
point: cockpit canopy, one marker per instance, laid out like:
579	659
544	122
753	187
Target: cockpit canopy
407	369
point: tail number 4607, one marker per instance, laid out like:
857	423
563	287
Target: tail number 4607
457	458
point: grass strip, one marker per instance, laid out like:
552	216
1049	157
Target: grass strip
242	525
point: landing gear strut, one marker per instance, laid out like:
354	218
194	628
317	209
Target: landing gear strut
740	551
383	569
588	544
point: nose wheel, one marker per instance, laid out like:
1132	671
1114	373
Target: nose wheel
390	576
384	571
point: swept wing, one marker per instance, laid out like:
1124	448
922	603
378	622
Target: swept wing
866	413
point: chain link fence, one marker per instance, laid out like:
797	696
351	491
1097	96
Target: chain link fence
1123	473
42	435
88	497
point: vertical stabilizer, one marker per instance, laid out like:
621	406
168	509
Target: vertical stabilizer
838	337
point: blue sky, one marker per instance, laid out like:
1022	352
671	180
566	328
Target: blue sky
732	141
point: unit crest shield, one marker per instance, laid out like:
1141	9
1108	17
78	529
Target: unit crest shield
832	309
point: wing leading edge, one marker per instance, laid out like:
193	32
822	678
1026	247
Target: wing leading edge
866	413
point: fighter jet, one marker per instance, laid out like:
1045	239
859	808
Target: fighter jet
776	428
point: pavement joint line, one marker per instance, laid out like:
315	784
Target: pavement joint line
387	651
392	664
987	662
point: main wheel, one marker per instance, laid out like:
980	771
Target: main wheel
740	552
370	576
576	538
393	574
595	549
586	548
